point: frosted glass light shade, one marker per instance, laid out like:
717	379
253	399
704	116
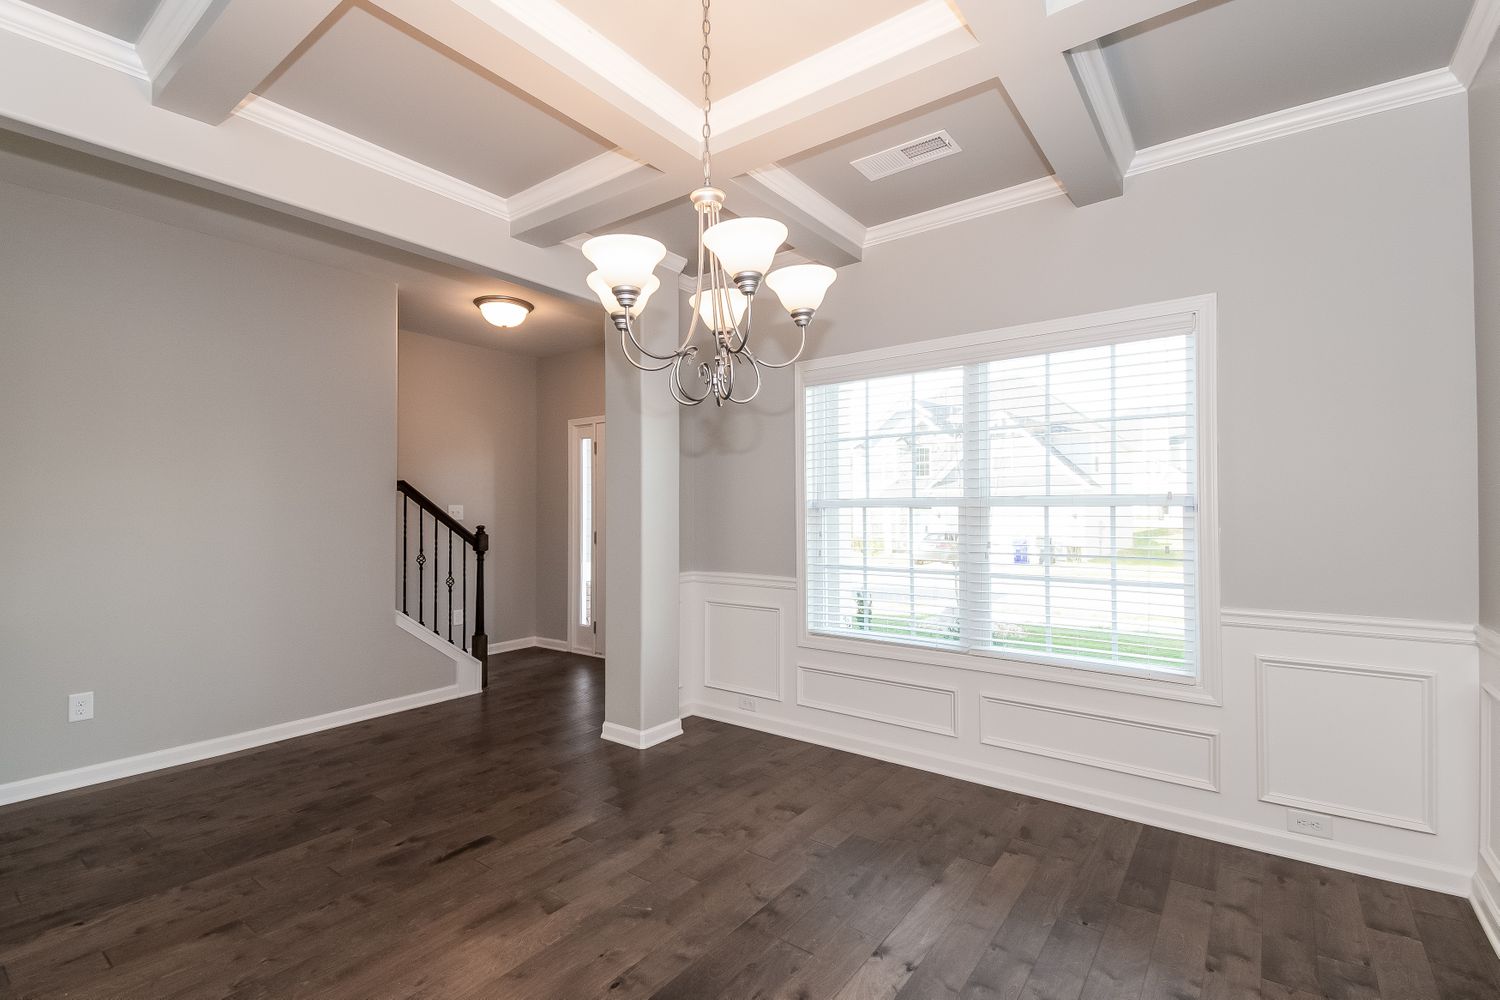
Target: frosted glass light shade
730	311
745	244
503	311
801	286
623	259
606	294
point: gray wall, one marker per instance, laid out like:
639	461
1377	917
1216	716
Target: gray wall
1484	139
198	445
468	435
569	386
1341	258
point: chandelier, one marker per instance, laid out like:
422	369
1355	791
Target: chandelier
734	258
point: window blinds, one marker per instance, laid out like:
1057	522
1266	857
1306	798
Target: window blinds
1038	506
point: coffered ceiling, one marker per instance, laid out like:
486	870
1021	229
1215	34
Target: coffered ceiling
1212	64
750	40
366	75
496	132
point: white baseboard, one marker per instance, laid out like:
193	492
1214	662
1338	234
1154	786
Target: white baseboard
1354	859
126	767
640	739
1485	897
538	642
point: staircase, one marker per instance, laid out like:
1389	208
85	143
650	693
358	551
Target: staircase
435	556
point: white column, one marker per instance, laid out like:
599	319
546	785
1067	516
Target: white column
641	566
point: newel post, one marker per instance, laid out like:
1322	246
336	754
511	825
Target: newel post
481	644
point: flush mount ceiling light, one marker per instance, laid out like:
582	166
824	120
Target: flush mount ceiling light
504	311
733	258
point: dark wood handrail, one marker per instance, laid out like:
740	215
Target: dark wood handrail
420	499
478	540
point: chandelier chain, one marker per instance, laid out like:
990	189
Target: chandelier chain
707	101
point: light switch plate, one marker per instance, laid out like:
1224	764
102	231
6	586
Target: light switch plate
458	617
456	511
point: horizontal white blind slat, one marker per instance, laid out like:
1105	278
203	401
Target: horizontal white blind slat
1036	505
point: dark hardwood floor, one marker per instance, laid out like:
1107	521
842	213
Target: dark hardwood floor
495	848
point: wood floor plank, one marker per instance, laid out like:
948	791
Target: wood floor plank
494	847
1234	936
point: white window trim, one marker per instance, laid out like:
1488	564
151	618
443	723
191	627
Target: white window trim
1136	322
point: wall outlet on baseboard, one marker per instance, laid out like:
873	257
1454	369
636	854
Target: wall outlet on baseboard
456	511
746	703
458	617
1311	823
80	706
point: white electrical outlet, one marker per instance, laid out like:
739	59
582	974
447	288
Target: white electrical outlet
458	617
1311	823
80	706
456	511
747	703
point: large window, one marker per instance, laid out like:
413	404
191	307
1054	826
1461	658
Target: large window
1030	497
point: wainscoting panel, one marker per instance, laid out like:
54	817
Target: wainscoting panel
742	648
1131	746
1348	740
1334	714
924	707
1486	890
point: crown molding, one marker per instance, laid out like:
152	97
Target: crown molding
591	173
962	211
1474	43
351	147
1104	100
69	36
1279	124
168	28
800	195
933	22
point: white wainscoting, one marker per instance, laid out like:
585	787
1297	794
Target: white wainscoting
1383	774
1131	746
1309	702
1486	891
745	640
927	708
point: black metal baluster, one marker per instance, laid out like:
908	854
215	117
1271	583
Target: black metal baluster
464	603
421	562
450	584
480	648
435	560
405	505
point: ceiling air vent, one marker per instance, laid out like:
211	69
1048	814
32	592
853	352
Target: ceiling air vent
907	155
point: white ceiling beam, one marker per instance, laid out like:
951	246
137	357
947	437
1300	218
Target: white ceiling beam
54	95
601	207
228	51
818	228
1071	23
1099	89
1039	76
